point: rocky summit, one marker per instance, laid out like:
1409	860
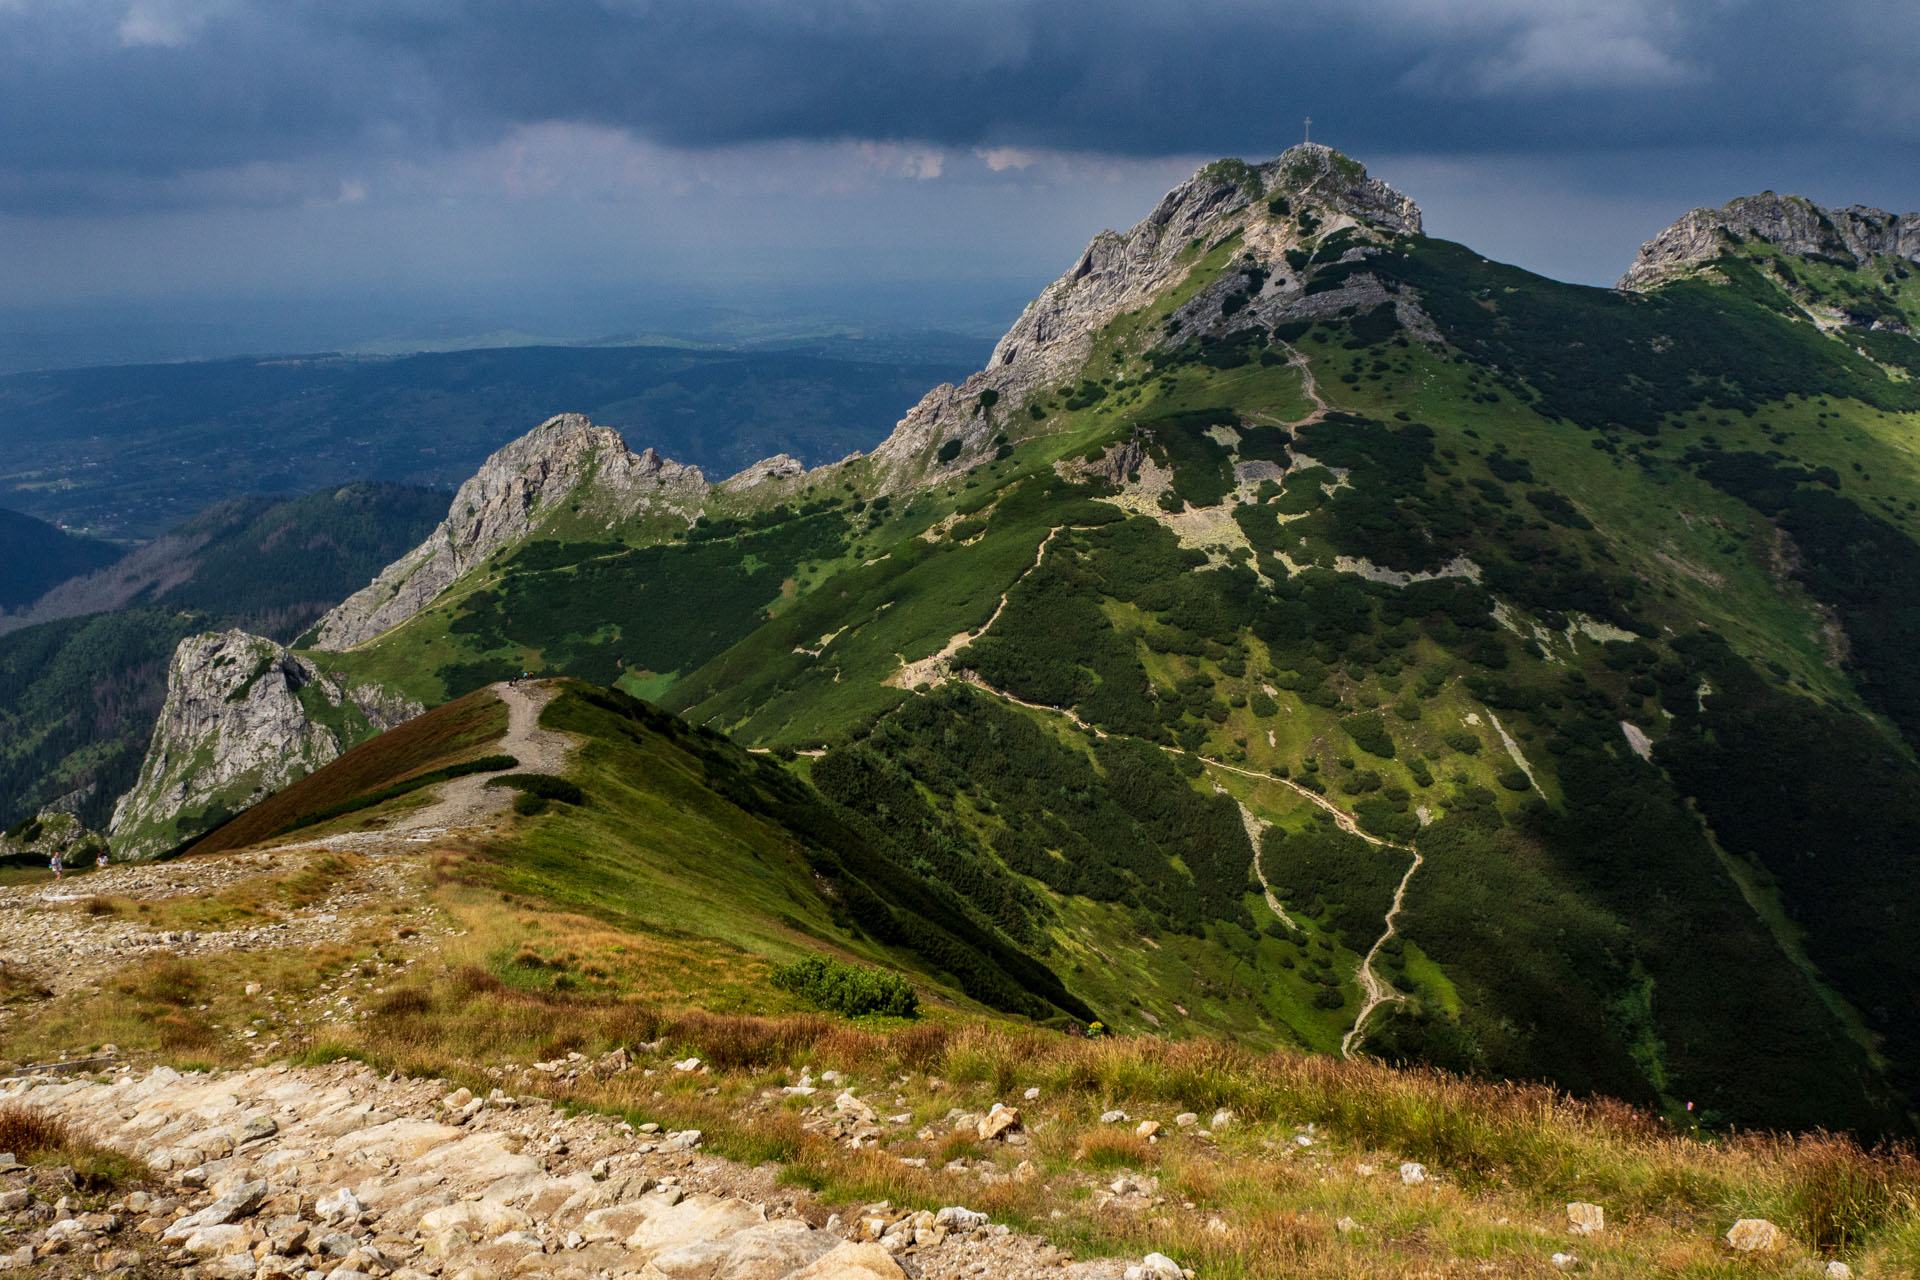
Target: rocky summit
1119	273
243	717
1792	224
503	500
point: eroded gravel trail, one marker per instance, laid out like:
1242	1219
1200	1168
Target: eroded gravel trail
279	1173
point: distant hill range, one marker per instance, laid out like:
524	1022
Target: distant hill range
83	671
130	451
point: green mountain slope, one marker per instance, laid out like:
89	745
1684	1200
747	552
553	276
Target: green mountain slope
1280	546
36	556
757	859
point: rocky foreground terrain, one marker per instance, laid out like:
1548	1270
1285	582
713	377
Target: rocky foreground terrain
285	1172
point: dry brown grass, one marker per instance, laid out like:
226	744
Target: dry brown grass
523	983
34	1136
1509	1156
1115	1148
29	1132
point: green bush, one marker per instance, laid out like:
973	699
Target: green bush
845	988
543	785
529	804
1369	733
950	450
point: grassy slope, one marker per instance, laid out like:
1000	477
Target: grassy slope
1704	553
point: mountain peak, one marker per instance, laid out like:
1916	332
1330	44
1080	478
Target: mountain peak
1294	202
519	485
1793	224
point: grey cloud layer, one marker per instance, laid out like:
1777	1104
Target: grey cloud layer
116	101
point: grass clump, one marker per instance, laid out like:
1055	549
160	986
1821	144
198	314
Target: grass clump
38	1138
845	988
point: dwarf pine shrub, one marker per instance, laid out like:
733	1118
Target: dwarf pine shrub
845	988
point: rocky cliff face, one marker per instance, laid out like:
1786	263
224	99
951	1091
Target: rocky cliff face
512	492
243	718
1793	224
1118	273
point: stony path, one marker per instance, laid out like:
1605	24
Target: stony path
49	934
283	1173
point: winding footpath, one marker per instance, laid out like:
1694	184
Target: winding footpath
1378	992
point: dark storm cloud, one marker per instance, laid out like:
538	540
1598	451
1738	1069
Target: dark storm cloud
124	103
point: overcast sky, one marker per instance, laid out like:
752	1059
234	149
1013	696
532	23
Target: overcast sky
498	158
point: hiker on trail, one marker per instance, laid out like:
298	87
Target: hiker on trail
101	861
58	865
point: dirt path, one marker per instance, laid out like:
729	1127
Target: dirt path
1309	387
468	802
940	665
1378	992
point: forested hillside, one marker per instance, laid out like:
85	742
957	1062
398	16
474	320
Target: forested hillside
34	556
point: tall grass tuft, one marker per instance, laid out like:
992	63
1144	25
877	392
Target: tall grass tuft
35	1137
29	1132
1840	1195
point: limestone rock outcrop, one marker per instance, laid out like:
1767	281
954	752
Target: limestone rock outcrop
1118	273
282	1172
49	832
516	489
1793	224
243	718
